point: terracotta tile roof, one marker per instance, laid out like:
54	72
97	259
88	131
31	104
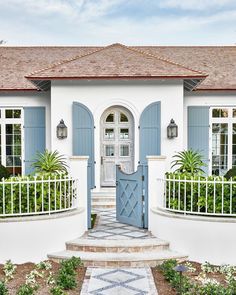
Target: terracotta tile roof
115	61
218	62
16	62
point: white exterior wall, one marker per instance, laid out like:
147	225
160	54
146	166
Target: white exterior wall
202	98
29	99
26	239
100	95
201	238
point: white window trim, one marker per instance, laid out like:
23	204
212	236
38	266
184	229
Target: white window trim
3	122
228	120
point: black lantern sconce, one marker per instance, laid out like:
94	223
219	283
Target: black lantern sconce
172	129
61	130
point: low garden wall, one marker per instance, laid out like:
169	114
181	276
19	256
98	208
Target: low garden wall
31	238
202	238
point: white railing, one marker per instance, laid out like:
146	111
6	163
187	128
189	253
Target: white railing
200	196
37	195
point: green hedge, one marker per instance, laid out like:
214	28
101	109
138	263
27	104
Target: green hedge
199	194
39	192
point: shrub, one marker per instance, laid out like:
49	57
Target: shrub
57	291
66	278
213	192
9	269
4	173
3	288
25	290
58	194
188	162
50	162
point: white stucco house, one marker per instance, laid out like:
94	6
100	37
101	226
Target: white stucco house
193	85
117	102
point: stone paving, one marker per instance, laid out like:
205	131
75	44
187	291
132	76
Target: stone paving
109	228
117	281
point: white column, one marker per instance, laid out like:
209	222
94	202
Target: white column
78	170
156	173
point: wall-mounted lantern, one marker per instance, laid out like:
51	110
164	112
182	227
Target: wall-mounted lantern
61	130
172	129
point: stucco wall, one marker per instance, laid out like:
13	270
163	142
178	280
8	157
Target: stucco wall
135	96
201	238
204	98
29	99
33	238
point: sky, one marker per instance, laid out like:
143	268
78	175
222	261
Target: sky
131	22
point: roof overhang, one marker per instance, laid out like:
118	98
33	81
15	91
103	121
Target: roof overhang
190	83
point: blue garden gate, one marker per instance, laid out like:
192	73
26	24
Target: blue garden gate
131	197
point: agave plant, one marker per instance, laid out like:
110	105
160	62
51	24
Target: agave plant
50	162
188	162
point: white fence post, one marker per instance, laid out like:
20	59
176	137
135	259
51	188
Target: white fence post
78	170
156	170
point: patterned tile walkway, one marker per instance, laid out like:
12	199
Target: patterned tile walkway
119	281
110	229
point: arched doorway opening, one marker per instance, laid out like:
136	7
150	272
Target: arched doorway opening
116	143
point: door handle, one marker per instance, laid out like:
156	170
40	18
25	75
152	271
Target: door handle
101	160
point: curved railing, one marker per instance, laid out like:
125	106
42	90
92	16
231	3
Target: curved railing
37	195
200	196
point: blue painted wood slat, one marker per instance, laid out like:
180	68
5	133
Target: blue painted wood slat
198	131
34	134
150	131
83	143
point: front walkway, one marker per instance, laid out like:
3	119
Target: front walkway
122	281
109	228
119	281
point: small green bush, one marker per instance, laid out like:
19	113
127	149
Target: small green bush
66	278
25	290
3	288
4	173
231	173
57	291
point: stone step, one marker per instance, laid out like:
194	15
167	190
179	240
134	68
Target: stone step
103	199
101	259
117	246
103	205
104	193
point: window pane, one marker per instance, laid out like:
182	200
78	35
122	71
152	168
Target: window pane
124	133
234	113
9	129
220	113
109	133
109	150
219	148
124	150
10	114
110	118
123	118
12	157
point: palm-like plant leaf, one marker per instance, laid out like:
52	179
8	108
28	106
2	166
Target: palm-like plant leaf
188	162
50	162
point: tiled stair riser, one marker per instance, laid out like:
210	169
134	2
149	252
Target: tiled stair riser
117	249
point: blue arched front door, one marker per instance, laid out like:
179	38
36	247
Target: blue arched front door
83	143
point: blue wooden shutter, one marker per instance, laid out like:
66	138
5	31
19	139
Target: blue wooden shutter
83	143
34	134
150	131
83	134
198	131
